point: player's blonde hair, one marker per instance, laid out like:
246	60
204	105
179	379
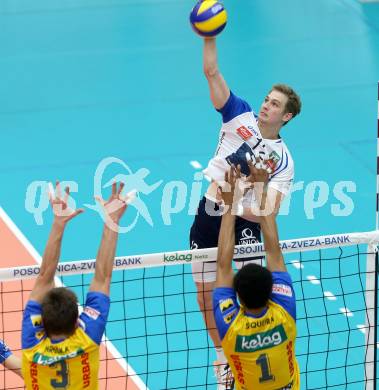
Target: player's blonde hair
293	104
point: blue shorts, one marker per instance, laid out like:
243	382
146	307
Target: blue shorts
204	234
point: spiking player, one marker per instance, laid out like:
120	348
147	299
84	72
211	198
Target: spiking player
242	132
61	348
258	335
9	360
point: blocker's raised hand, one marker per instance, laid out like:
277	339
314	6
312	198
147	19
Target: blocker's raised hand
115	207
59	204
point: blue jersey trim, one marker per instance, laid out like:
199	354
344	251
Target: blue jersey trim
287	302
233	107
92	320
32	328
5	352
95	315
225	308
282	169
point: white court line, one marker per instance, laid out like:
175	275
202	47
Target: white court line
297	264
330	296
346	312
195	164
37	257
313	279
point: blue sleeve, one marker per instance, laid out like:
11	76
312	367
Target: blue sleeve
225	308
233	107
5	352
32	328
283	293
95	314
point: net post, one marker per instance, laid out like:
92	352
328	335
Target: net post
370	326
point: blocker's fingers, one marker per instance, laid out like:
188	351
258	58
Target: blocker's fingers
58	191
120	188
130	196
100	200
66	194
232	171
50	191
238	171
254	157
114	188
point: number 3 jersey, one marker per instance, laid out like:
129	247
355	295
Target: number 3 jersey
240	135
71	363
260	350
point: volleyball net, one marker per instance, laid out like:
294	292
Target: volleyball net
156	338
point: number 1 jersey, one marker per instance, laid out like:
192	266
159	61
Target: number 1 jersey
260	350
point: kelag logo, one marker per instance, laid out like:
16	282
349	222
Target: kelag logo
176	257
259	341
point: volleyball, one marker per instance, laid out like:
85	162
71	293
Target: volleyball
208	18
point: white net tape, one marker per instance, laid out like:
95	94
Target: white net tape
198	255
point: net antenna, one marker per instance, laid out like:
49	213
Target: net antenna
374	259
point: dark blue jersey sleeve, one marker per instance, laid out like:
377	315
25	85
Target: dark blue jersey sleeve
283	293
225	308
233	107
95	314
5	352
32	328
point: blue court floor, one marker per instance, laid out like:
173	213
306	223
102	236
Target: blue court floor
99	88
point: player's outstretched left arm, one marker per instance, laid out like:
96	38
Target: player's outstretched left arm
226	238
62	215
259	178
10	361
13	363
114	208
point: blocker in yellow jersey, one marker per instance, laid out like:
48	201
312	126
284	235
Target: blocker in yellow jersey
71	363
260	349
257	330
61	347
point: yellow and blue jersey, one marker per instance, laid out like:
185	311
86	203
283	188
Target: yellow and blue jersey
260	349
71	363
5	352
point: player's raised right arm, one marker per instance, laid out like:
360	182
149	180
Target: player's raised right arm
274	256
218	88
114	208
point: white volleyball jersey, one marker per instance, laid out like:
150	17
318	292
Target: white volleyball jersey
240	135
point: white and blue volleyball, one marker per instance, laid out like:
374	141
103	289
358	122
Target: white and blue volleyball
208	18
